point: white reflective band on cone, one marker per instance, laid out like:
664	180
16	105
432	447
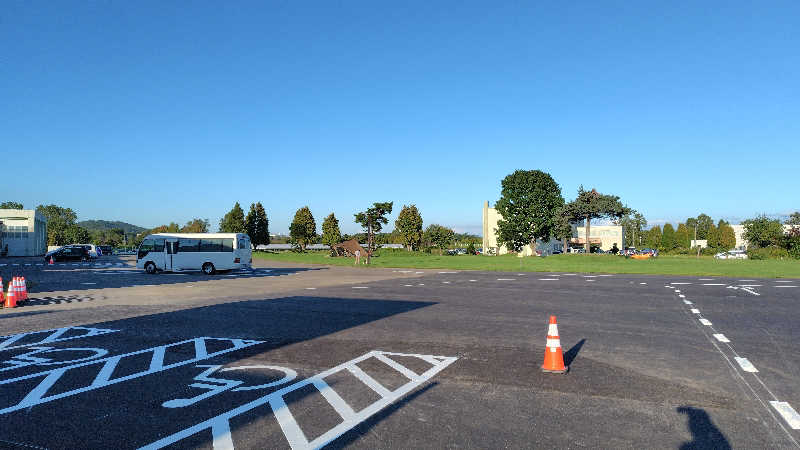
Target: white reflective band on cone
552	330
553	343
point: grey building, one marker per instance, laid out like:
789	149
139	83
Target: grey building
24	232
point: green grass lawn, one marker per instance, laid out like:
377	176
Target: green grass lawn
663	265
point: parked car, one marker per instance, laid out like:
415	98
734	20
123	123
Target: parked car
68	253
733	254
91	248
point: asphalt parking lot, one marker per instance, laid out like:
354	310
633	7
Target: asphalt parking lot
284	356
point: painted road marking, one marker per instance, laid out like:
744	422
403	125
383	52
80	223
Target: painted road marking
750	285
747	280
548	279
788	413
360	287
590	276
506	279
107	365
706	279
220	425
419	272
606	275
311	289
687	302
784	281
421	284
677	291
713	284
721	337
591	280
747	289
705	322
680	283
745	364
642	283
445	282
473	280
681	296
408	285
50	336
88	283
695	311
569	274
785	286
448	272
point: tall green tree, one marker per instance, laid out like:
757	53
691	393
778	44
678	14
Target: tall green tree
11	205
373	220
303	230
195	225
331	235
682	237
529	200
562	229
668	238
727	237
409	226
257	224
762	231
59	221
653	239
704	223
590	205
794	218
233	221
633	224
439	236
712	237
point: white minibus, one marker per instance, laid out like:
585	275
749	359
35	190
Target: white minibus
180	252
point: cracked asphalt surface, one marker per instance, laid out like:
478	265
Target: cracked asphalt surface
644	373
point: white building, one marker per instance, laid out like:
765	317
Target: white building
604	236
24	232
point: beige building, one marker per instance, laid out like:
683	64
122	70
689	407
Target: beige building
24	232
603	235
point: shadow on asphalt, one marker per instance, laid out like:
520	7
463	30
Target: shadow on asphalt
572	353
132	410
705	435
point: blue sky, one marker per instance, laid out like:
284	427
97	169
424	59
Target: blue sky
151	112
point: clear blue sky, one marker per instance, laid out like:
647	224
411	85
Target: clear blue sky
151	112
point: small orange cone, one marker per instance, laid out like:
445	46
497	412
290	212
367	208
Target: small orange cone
11	298
553	356
23	287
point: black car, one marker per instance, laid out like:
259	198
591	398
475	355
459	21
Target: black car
72	253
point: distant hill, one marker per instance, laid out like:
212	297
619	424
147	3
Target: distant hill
93	225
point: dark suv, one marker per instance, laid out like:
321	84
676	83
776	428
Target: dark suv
76	253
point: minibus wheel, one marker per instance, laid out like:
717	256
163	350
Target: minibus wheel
209	269
150	268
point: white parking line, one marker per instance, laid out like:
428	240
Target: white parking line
750	285
642	283
506	279
681	296
746	365
679	283
408	285
721	337
784	281
445	282
785	286
747	280
590	276
548	279
705	279
687	302
311	289
713	284
473	280
788	413
705	322
695	311
360	287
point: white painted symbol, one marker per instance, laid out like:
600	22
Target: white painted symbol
224	384
788	413
27	359
705	322
50	336
297	439
106	367
721	337
751	291
745	364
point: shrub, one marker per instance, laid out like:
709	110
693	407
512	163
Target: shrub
770	252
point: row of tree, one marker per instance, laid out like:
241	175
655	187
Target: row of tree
408	229
767	238
719	237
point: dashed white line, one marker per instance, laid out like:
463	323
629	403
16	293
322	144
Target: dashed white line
705	279
473	280
679	283
750	285
721	337
360	287
445	282
590	280
788	413
569	274
681	296
747	280
408	285
695	311
785	286
705	322
88	283
606	275
687	302
448	272
713	284
784	281
590	276
421	284
745	364
311	289
548	279
506	279
642	283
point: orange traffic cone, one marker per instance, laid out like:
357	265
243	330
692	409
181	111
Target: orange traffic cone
11	298
24	287
553	356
